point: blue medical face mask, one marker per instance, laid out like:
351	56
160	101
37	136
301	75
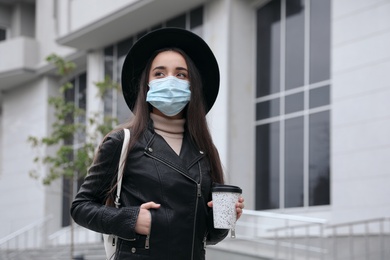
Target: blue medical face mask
169	95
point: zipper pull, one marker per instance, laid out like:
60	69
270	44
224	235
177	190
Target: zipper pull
113	241
204	242
199	190
147	242
233	232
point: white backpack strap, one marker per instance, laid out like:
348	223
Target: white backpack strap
121	166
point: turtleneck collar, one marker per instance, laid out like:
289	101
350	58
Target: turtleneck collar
167	125
170	129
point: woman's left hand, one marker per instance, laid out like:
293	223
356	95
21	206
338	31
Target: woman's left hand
239	206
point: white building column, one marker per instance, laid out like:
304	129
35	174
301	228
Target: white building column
95	73
229	28
216	34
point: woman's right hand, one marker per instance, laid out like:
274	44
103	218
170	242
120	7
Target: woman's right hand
144	219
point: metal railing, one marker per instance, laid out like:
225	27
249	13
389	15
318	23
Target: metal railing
80	235
282	236
31	236
35	235
365	239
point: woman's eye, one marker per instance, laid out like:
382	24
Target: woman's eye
158	74
182	75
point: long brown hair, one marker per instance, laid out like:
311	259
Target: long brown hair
196	123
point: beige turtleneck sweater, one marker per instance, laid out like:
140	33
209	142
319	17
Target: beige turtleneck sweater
170	129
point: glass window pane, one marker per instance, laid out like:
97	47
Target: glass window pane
107	100
3	34
108	61
179	21
267	166
196	17
293	164
66	200
319	162
319	97
319	40
82	95
124	47
295	39
268	49
294	103
81	88
266	109
69	96
109	71
123	111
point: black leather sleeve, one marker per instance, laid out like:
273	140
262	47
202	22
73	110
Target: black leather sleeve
214	235
88	209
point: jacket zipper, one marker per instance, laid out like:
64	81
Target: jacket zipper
147	241
205	241
198	195
148	235
133	239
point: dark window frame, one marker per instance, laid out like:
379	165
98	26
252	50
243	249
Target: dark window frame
299	97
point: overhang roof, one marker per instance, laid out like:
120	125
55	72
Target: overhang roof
22	75
127	21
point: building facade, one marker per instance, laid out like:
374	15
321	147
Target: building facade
302	120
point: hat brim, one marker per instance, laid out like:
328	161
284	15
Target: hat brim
193	45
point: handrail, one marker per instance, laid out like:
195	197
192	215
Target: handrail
80	235
294	227
359	222
61	232
25	230
283	216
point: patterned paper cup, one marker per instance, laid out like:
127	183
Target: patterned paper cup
224	209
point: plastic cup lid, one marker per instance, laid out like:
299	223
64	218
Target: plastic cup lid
226	188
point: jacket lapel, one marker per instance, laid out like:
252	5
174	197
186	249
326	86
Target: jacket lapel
159	149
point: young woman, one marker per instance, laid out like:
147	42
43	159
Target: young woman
170	80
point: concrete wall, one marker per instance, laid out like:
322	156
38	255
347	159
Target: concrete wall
360	109
47	30
228	28
216	34
24	114
96	9
241	106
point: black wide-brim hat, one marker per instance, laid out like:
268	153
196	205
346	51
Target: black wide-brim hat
193	45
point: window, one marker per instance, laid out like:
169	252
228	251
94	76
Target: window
293	104
77	95
3	34
114	56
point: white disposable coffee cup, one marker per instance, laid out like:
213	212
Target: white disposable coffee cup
225	198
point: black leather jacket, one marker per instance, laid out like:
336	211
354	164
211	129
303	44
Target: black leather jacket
154	172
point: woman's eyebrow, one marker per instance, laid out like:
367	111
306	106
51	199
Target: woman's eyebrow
159	68
164	68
